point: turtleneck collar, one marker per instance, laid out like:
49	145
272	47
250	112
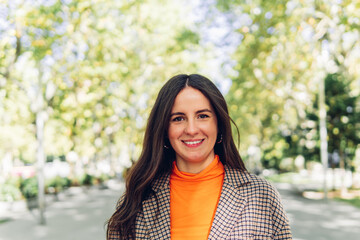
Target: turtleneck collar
214	169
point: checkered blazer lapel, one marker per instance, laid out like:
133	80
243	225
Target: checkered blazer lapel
157	209
231	203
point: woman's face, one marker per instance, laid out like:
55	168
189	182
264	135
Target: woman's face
192	130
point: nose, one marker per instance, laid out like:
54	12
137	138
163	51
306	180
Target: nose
191	127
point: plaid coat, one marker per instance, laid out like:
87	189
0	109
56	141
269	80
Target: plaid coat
249	208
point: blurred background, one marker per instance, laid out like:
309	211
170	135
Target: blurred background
79	77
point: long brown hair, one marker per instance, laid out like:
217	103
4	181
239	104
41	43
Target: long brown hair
156	160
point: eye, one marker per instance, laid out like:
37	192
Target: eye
177	119
203	116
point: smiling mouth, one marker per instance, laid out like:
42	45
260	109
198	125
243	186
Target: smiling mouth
193	143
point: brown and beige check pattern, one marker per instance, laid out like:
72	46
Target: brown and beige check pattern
249	208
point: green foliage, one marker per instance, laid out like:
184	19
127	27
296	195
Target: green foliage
286	48
342	121
271	72
185	39
4	220
102	178
290	177
29	187
87	180
57	184
95	68
343	115
355	201
9	190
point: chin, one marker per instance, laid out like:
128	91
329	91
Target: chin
196	159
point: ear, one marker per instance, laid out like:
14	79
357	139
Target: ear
219	138
167	144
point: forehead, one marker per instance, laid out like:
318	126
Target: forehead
191	99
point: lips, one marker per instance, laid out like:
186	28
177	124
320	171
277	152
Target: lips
193	143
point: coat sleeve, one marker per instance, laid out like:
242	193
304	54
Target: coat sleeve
280	220
115	234
284	232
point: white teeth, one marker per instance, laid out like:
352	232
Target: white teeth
192	142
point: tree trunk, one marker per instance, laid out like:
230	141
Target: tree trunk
40	122
323	133
343	174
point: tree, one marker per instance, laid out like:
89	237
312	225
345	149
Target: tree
286	48
90	71
342	123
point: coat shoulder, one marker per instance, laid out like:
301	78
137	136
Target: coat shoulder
263	213
250	184
261	186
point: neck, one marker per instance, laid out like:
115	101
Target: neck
194	167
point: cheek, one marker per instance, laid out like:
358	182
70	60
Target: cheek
214	134
173	132
212	130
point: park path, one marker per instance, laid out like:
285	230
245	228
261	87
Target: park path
81	213
319	219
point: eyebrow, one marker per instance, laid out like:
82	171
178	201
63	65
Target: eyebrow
197	112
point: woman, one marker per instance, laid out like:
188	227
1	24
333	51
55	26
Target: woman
190	182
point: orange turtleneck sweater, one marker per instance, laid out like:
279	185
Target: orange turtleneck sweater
193	200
